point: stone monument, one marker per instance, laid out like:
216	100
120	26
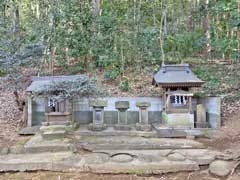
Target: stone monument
98	115
143	124
122	107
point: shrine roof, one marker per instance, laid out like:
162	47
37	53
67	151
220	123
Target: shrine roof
178	75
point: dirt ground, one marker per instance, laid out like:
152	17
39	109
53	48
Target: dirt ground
202	175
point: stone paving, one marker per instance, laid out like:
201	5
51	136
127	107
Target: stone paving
108	154
135	161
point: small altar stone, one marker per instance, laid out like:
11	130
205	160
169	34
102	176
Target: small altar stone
143	124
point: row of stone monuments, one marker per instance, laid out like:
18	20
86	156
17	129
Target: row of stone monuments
122	107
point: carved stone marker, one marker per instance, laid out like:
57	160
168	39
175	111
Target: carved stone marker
201	117
122	107
98	115
143	124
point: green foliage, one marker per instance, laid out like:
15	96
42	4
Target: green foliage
2	72
212	83
110	75
124	33
124	85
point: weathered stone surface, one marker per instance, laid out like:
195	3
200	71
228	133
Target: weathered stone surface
17	149
97	127
143	127
38	145
201	156
122	105
122	127
122	158
150	158
143	104
220	168
136	143
98	103
108	161
96	158
29	130
49	135
30	162
4	151
176	157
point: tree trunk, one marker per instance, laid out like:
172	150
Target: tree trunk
207	48
96	7
190	17
238	30
17	27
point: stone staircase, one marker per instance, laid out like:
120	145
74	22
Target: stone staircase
70	151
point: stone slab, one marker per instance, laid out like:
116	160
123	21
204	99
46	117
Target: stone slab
54	135
137	143
29	130
39	145
92	162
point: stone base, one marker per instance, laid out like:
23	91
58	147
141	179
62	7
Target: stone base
95	127
60	134
122	127
178	120
54	132
143	127
66	123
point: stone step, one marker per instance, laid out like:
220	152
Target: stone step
135	143
38	144
137	162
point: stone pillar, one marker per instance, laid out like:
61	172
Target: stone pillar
122	107
29	121
201	117
98	115
143	124
46	123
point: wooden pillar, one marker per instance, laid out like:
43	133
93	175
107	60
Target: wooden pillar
190	104
46	110
29	121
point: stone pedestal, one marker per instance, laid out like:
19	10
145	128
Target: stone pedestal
122	107
143	124
178	120
98	115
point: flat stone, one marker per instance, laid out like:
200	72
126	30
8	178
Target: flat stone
150	158
143	104
96	158
58	134
92	162
98	103
122	104
176	157
31	162
220	168
122	158
39	145
122	127
136	143
97	127
139	167
201	156
17	149
4	151
143	127
29	130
